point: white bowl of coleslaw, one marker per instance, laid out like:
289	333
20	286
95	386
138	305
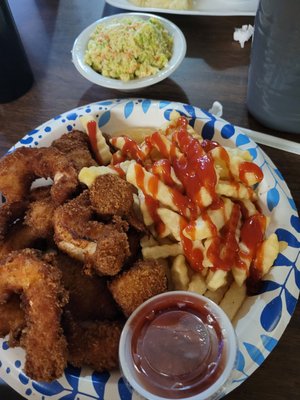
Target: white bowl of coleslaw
80	48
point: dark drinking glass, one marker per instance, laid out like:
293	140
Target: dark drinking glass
15	72
274	75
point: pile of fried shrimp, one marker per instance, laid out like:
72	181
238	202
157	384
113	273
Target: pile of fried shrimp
71	266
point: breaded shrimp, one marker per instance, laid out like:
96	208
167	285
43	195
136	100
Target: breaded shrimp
9	213
111	252
19	169
40	193
89	297
102	247
93	343
42	299
39	217
12	319
134	221
19	237
76	147
142	281
111	195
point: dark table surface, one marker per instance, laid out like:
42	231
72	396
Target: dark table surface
215	68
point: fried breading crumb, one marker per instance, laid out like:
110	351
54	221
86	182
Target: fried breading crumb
75	146
111	195
142	281
111	251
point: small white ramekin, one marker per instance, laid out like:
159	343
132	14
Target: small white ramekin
80	46
218	387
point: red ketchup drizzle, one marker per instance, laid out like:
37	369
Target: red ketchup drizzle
117	158
193	255
92	133
249	167
156	140
244	210
132	149
195	169
227	242
152	206
252	234
191	227
208	145
215	206
180	122
179	200
218	204
162	168
151	202
119	170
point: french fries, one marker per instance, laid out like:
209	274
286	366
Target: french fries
198	201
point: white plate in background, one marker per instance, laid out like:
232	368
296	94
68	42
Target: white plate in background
200	7
80	46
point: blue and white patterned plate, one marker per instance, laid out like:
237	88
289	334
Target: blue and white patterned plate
261	320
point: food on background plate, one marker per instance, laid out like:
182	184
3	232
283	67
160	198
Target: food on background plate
172	4
161	210
129	48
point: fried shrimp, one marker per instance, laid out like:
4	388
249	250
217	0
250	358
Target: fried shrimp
89	297
102	247
142	281
76	147
19	237
19	169
111	252
42	299
9	212
39	217
93	343
12	319
40	193
111	195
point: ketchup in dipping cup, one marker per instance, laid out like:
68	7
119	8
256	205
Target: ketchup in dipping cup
178	345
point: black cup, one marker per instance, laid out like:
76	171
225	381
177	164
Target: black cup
273	96
15	73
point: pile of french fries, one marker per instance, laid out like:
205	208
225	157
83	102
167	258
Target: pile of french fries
170	226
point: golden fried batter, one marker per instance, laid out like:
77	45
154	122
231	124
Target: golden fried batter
103	247
19	169
111	195
111	252
42	298
39	217
144	280
76	147
93	343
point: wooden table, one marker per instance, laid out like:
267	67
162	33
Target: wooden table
215	68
